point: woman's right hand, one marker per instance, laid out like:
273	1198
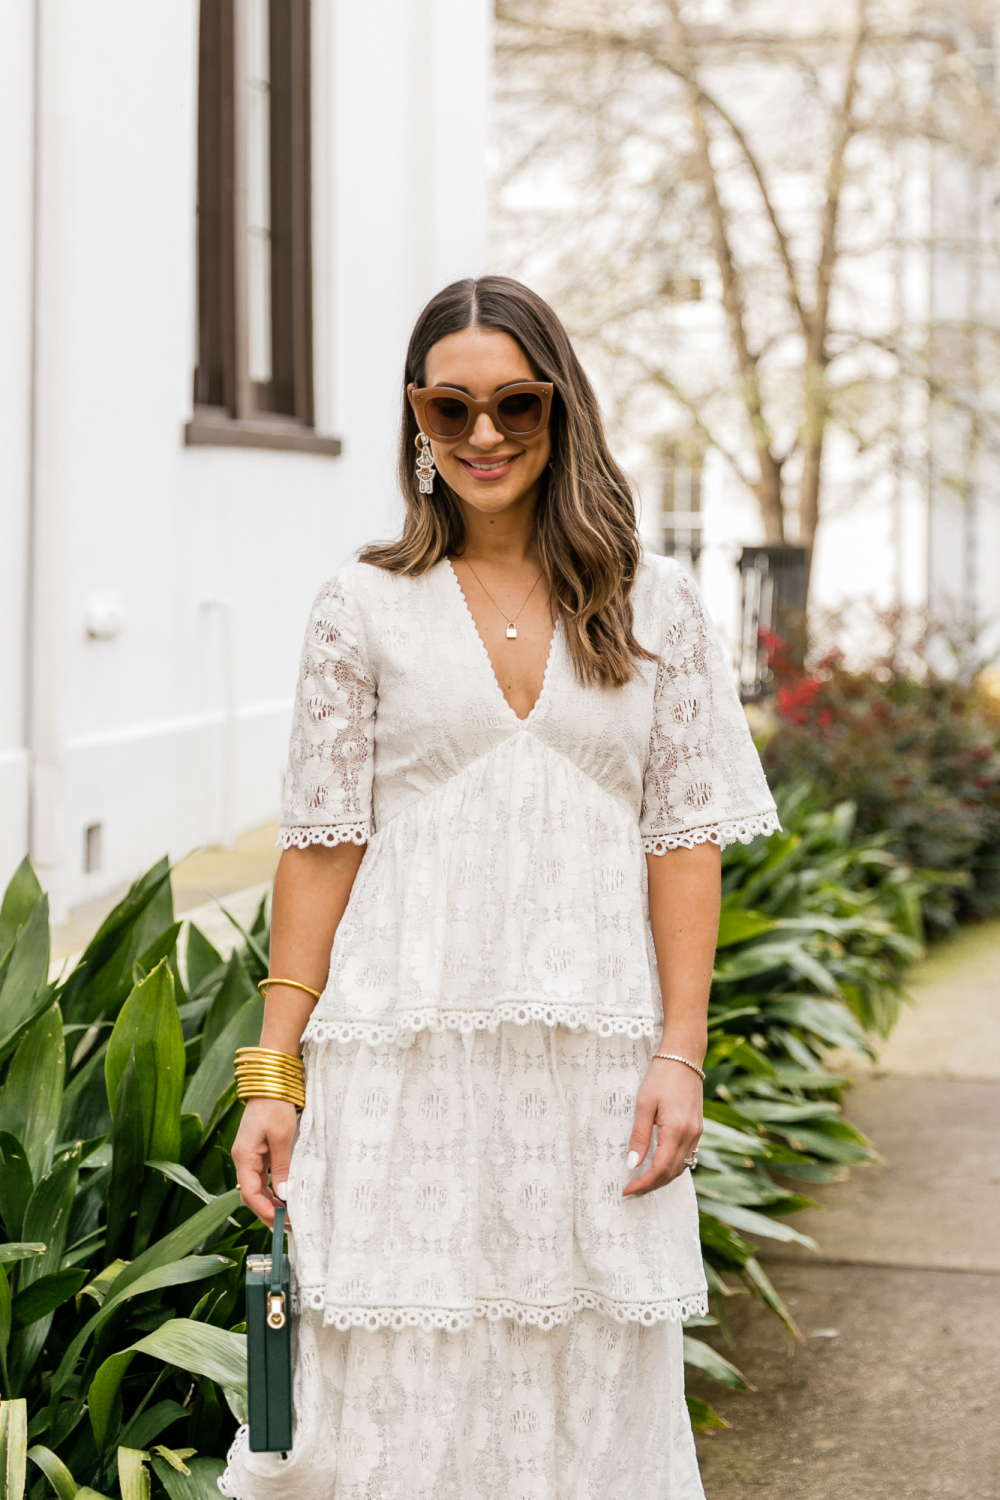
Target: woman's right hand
263	1146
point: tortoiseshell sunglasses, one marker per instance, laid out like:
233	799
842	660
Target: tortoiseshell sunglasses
518	411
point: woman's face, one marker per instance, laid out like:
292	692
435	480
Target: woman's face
487	470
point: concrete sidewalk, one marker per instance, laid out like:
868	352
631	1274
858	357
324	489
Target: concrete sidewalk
895	1394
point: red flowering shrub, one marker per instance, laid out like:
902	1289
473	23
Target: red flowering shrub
918	755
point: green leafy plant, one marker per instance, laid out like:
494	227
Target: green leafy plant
122	1354
122	1358
817	928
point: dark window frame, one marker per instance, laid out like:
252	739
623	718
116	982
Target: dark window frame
230	408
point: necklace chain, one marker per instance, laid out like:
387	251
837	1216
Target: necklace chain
511	631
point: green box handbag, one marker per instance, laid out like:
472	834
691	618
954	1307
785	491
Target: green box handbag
269	1346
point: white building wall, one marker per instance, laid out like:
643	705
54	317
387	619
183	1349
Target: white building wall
16	176
174	733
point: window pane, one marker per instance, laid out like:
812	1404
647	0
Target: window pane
258	178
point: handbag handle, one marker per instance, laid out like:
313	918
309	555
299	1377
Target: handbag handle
278	1249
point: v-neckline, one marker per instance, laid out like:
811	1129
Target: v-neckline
489	660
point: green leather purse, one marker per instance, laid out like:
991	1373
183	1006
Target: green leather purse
269	1346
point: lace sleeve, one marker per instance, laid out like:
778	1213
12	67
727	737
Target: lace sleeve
704	780
328	790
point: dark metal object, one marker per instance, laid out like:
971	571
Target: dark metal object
774	585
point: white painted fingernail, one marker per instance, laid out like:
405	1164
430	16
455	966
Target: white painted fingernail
282	1190
632	1160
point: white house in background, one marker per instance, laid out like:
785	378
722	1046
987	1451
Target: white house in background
927	533
219	223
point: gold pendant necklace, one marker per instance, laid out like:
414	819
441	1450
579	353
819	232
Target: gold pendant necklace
511	627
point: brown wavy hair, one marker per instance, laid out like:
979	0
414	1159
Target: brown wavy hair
585	532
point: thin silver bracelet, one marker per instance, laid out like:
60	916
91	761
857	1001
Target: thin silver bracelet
673	1057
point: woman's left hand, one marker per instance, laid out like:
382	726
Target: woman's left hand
670	1096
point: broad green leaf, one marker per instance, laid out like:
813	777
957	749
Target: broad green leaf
763	958
46	1217
85	1111
103	977
25	991
193	1268
757	1279
101	1397
215	1072
704	1357
827	1143
149	1026
252	945
824	1018
16	1183
133	1476
186	1179
98	1288
6	1321
736	926
191	1136
201	1483
19	901
86	1493
201	959
20	1250
780	1111
148	1425
200	1349
128	1146
727	1114
13	1448
721	1240
175	1456
754	1223
55	1471
31	1098
181	1241
46	1295
233	993
702	1416
161	948
195	1347
725	1138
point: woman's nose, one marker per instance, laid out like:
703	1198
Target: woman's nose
484	434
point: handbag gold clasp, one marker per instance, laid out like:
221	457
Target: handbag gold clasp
276	1309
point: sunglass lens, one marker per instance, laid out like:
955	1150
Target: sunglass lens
446	416
521	412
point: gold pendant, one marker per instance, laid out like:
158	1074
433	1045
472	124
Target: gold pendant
512	632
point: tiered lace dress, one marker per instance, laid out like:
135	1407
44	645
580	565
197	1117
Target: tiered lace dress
482	1316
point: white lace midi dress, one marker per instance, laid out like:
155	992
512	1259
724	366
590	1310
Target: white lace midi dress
481	1315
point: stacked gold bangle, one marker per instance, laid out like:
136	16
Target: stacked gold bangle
262	1074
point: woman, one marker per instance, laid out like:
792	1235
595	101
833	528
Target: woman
495	1230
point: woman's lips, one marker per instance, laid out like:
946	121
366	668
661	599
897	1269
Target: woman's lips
499	472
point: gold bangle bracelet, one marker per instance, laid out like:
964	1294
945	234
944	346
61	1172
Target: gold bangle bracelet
264	1074
293	984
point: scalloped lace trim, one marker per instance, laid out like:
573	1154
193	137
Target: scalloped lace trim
732	831
330	835
226	1481
406	1023
454	1320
